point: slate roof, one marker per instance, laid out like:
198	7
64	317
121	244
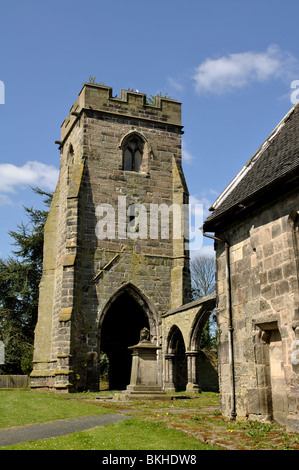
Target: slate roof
275	161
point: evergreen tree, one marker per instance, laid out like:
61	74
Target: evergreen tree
19	287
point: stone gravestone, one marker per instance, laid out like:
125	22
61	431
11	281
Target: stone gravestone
143	383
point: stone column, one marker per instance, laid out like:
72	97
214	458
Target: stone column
192	385
169	370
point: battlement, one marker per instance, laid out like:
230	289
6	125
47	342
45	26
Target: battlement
131	104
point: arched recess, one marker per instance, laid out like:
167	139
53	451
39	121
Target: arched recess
141	146
202	364
130	135
198	324
177	362
122	319
70	162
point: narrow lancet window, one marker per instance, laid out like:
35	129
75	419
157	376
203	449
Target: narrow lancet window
132	155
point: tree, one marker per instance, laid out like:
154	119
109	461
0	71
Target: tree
203	283
19	288
202	276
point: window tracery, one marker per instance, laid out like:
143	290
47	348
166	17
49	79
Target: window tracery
132	154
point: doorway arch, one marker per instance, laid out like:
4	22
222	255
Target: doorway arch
122	319
202	353
187	322
176	351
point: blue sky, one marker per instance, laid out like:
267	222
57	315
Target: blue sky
231	64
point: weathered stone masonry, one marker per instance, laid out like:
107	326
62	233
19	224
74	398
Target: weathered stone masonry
83	276
257	216
264	300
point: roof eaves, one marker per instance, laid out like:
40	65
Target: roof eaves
217	217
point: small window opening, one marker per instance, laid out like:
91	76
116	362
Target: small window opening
70	162
133	226
132	156
71	151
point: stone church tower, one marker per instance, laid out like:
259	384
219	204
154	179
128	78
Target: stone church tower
110	265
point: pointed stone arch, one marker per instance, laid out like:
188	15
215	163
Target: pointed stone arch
199	321
176	371
142	300
126	312
202	370
144	148
190	320
130	135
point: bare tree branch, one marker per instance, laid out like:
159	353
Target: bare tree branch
202	276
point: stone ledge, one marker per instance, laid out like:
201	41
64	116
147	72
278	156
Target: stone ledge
41	373
63	372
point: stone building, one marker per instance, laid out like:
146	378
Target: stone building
110	266
255	226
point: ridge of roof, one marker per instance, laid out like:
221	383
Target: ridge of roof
240	175
277	157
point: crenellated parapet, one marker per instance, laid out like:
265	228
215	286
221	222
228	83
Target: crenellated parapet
131	104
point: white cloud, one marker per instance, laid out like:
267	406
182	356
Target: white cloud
175	84
235	71
204	201
187	157
205	250
14	177
5	200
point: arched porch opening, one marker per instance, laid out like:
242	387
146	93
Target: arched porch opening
202	356
123	318
187	322
177	362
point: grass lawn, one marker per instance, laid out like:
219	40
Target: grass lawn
131	434
180	424
19	407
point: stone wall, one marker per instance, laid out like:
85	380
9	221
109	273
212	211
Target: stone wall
264	288
208	371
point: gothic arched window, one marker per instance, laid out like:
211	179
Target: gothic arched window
132	154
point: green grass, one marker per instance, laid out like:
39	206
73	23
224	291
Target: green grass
19	407
131	434
180	424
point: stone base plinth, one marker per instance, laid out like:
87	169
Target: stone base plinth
142	393
144	375
193	388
